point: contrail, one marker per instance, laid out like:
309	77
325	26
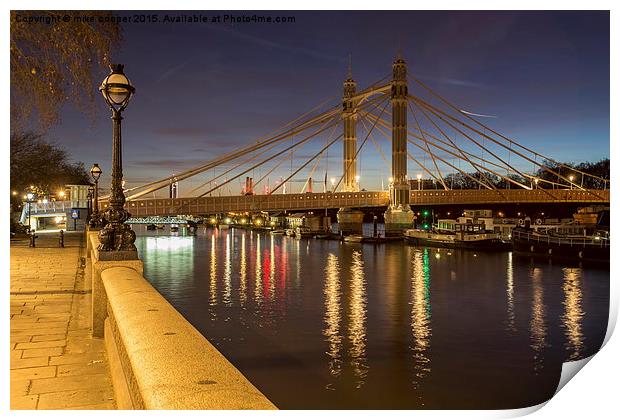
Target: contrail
477	115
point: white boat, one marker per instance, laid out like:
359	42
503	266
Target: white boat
277	232
354	238
303	232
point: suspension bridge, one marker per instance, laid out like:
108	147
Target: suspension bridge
428	136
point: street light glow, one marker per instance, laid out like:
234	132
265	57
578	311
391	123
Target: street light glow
419	176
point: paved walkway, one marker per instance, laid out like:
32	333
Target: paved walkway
55	364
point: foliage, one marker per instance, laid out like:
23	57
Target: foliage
599	169
43	165
58	62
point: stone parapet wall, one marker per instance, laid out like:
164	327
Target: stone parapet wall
158	360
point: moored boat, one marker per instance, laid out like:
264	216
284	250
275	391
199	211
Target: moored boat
277	232
303	232
450	234
354	238
593	247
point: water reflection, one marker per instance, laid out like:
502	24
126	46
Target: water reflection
573	314
258	287
420	313
272	268
243	274
510	294
538	327
226	296
333	314
319	314
213	274
357	319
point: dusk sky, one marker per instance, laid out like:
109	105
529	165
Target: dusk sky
204	89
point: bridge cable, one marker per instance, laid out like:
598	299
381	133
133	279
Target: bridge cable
501	135
241	152
387	137
427	147
324	127
452	143
423	166
435	111
363	142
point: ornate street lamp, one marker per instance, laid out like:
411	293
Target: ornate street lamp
116	235
95	218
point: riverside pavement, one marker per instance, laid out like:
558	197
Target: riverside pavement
55	363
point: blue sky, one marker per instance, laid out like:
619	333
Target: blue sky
205	89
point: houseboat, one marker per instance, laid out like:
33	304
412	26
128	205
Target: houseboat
449	233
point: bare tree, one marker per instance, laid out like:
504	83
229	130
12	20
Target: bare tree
56	57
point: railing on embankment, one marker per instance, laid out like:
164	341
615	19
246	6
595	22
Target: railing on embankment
158	360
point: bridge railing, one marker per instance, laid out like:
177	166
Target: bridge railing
307	201
507	196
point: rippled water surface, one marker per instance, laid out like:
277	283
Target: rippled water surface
322	324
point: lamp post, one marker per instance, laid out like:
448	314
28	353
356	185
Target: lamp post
90	196
116	236
95	219
419	176
357	181
570	178
29	198
333	180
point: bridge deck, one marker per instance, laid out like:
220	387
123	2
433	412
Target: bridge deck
280	202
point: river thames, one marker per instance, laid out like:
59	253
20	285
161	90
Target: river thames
319	324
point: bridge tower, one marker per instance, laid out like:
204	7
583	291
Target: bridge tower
399	215
349	220
350	138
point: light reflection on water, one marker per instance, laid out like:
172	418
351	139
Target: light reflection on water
538	327
420	314
333	314
573	314
357	319
365	326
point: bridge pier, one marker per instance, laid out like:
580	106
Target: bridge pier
350	220
399	216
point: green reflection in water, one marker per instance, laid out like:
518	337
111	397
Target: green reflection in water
421	313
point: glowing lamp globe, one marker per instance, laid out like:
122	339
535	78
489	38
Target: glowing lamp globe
116	88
